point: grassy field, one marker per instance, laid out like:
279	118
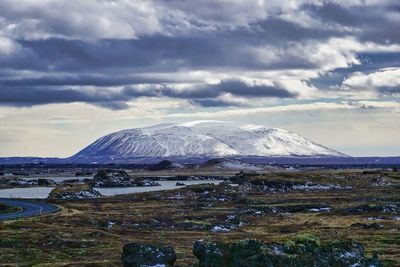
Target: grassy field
92	232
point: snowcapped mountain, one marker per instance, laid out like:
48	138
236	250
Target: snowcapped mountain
204	139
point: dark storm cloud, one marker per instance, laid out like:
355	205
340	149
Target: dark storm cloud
81	80
152	54
117	99
234	87
373	23
241	89
32	96
389	91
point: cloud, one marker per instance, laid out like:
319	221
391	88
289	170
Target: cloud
214	103
8	47
79	19
385	81
314	108
109	53
206	95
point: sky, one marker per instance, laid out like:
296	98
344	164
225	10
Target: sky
72	71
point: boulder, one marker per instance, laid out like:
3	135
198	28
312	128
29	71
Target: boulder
137	254
116	178
303	250
375	226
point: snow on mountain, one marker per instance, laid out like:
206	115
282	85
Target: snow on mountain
204	139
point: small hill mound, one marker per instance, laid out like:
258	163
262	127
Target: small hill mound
73	192
166	165
230	164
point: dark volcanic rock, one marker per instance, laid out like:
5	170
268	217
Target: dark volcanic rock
308	251
46	182
271	185
115	178
192	178
269	209
373	262
136	254
384	208
374	225
230	223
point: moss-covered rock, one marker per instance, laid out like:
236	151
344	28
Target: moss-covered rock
136	254
73	192
302	250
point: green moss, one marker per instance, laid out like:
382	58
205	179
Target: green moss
198	222
307	237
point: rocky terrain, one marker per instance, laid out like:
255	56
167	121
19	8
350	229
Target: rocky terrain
354	214
299	250
72	192
118	178
13	182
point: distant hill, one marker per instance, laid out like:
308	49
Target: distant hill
207	139
165	165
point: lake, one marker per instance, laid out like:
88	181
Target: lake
43	192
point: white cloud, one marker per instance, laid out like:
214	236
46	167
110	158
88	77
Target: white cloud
79	19
8	46
386	77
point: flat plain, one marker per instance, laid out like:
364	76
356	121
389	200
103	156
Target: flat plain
330	204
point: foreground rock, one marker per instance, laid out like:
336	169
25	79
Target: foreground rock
73	192
115	178
136	254
375	226
305	250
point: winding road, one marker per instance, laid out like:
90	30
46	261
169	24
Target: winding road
30	208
